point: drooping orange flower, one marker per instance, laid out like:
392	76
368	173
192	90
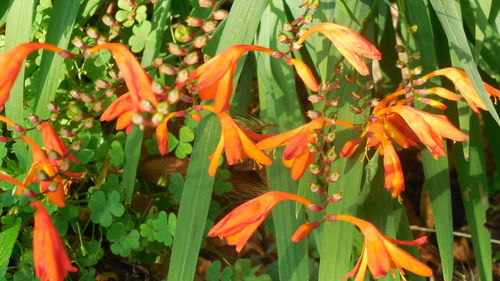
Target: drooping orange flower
296	154
52	184
162	132
239	225
236	142
215	77
305	74
349	43
464	85
11	62
380	255
407	126
138	82
49	256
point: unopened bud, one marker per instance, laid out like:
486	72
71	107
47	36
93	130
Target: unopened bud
74	113
350	78
219	14
195	116
301	32
311	147
157	62
138	119
176	50
334	177
102	39
147	105
372	118
414	56
52	107
278	55
186	98
400	48
303	231
372	102
295	46
330	137
417	70
102	84
157	118
287	27
93	32
33	118
314	114
312	4
64	165
419	82
331	156
333	102
87	99
355	109
315	208
157	88
88	123
182	76
53	186
335	197
76	145
66	132
368	86
308	19
42	176
168	69
109	93
297	20
209	26
206	3
413	28
4	139
173	96
74	94
183	34
314	169
108	20
194	21
77	42
316	98
356	96
163	107
200	42
332	218
401	64
54	155
283	38
191	58
315	188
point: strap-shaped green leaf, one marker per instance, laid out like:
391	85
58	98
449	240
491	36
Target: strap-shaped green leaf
7	239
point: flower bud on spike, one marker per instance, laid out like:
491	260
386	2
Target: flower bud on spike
312	4
356	109
356	96
182	76
314	169
93	32
19	129
314	114
186	98
163	107
308	18
350	78
219	14
283	38
66	132
138	119
54	155
413	28
75	146
315	208
77	42
415	56
315	188
167	69
206	3
287	27
183	34
303	231
195	116
194	21
4	139
191	58
173	96
209	26
74	94
335	197
330	137
42	176
419	82
52	107
33	118
176	50
331	156
278	55
417	70
333	102
52	187
87	99
316	98
311	147
295	46
157	118
332	218
297	20
334	177
200	42
108	20
400	48
64	165
301	32
102	84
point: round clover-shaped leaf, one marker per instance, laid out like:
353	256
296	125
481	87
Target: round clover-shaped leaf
117	154
104	208
90	253
140	36
186	134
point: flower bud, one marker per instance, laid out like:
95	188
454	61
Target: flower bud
87	99
194	21
54	155
191	58
173	96
400	48
176	50
301	32
183	34
350	78
200	42
315	188
316	98
372	102
287	27
163	107
314	114
308	19
33	118
53	186
335	197
315	208
295	46
42	176
206	3
332	218
278	55
74	113
64	165
417	70
419	82
312	4
66	132
168	69
108	20
209	26
333	177
76	145
93	32
52	107
401	64
414	56
356	109
219	14
102	84
74	94
413	28
368	86
331	156
77	42
356	96
88	123
157	118
186	98
182	76
333	102
195	116
283	38
138	119
314	169
330	137
297	20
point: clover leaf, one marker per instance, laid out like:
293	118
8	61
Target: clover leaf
117	154
159	229
140	36
105	207
90	253
122	242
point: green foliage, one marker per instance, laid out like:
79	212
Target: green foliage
104	207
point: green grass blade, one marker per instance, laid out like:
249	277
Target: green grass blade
134	138
451	21
17	32
7	239
52	65
193	210
240	29
473	186
280	105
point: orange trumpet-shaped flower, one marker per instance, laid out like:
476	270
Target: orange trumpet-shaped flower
237	144
349	43
464	85
305	74
237	226
215	77
162	132
296	154
304	230
52	142
11	62
50	258
138	81
52	184
407	126
380	255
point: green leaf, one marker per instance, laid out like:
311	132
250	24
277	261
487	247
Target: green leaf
132	154
140	36
175	186
186	134
105	207
90	253
157	229
7	239
122	242
117	154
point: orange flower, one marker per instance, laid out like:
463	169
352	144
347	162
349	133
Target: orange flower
349	43
407	126
237	226
237	144
305	74
43	171
297	155
11	62
162	133
50	258
215	77
380	255
464	85
139	84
